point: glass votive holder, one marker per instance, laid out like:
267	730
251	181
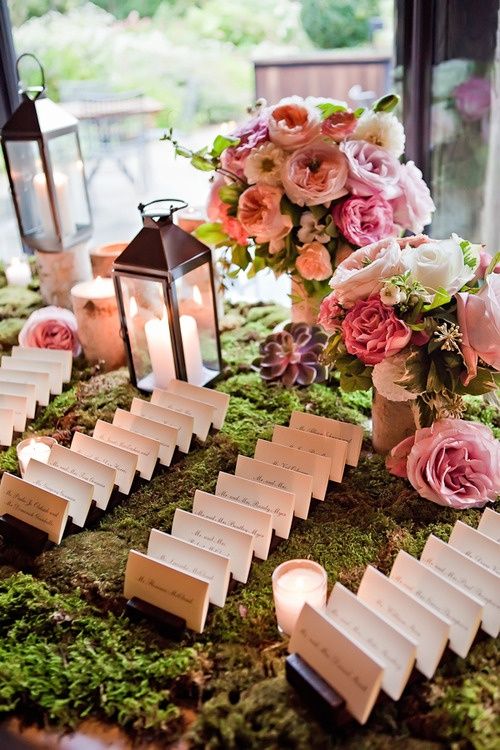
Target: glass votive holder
36	447
296	582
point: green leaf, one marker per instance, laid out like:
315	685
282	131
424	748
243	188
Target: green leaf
211	233
425	417
485	381
202	163
184	152
386	103
329	108
241	257
492	265
440	298
294	211
416	372
229	194
220	144
358	112
319	212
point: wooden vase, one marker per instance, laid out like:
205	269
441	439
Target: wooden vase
392	421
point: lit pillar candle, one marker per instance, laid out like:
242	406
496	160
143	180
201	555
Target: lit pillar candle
63	203
37	447
18	272
160	350
192	350
294	583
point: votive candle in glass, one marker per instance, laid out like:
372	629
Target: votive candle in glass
36	447
296	582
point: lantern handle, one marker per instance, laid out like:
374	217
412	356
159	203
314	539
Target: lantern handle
178	205
37	90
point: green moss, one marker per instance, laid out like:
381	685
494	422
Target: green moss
17	302
9	332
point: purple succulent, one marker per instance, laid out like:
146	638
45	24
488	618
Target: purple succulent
292	355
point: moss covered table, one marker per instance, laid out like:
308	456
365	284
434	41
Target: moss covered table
68	654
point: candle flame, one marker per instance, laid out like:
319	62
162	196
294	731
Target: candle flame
197	295
133	309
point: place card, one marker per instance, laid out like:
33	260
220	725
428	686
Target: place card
216	537
122	461
318	467
203	414
41	381
145	448
101	477
63	356
300	485
383	640
169	589
182	422
18	405
463	611
78	493
473	579
194	560
278	503
490	524
220	401
6	426
34	505
345	665
28	390
54	369
240	517
415	619
165	435
476	545
333	428
335	450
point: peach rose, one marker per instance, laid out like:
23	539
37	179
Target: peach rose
293	123
259	213
314	262
315	174
51	328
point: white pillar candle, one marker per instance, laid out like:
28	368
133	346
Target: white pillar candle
18	272
192	350
37	447
294	583
63	202
96	311
160	350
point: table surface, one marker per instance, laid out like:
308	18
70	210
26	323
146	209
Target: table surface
70	658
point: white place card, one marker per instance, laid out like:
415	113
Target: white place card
169	589
468	576
282	479
6	426
463	611
220	401
415	619
216	537
28	390
278	503
333	428
318	467
17	404
476	545
33	505
64	357
345	665
193	560
145	448
122	461
79	494
101	477
54	369
203	414
41	381
166	436
182	422
383	640
255	522
335	450
490	524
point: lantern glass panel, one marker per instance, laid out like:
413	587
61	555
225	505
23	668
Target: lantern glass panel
198	325
69	184
30	189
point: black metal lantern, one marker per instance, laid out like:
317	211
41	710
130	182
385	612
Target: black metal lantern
44	164
166	298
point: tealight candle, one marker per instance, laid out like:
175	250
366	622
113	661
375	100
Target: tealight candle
296	582
18	272
36	447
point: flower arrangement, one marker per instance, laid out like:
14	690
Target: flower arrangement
419	319
304	182
51	328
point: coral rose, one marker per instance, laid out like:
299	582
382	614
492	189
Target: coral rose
372	331
314	262
259	213
315	174
413	207
51	328
479	321
293	123
364	220
339	125
218	210
372	169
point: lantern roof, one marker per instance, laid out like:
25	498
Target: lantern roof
37	117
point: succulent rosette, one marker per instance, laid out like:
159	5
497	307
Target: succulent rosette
292	356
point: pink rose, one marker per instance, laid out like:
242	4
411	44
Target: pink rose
339	125
473	98
413	207
453	463
315	174
364	220
314	262
372	169
372	331
252	133
484	261
259	213
51	328
330	314
217	210
293	123
397	459
479	321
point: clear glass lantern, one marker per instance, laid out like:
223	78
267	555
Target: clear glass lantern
44	163
166	298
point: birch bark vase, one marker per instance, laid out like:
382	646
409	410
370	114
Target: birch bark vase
59	272
392	421
96	311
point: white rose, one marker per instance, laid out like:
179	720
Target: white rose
438	264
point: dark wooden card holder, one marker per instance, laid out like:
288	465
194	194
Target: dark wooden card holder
94	515
23	534
322	699
167	623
